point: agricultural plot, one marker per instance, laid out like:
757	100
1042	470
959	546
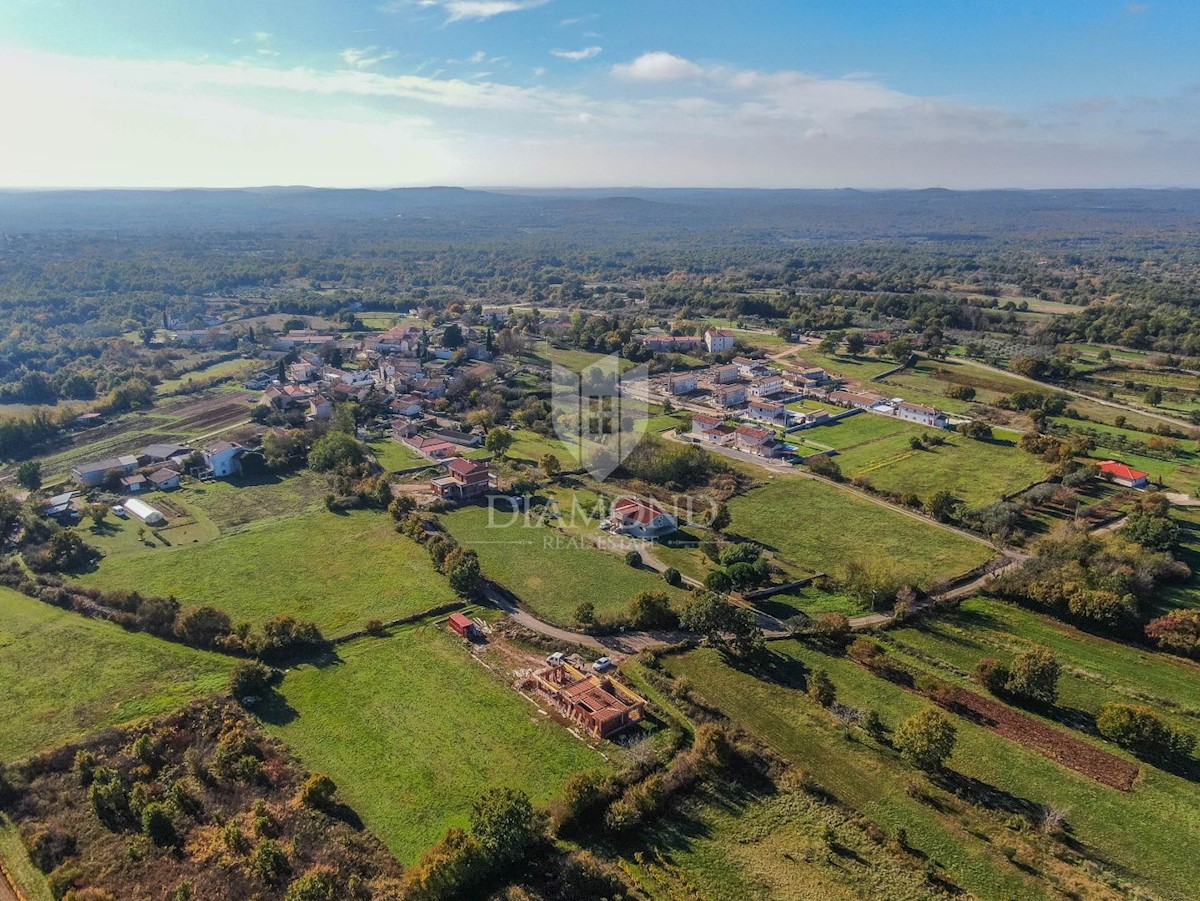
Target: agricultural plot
817	527
413	730
237	367
1096	671
552	569
1122	829
861	368
338	570
65	676
878	448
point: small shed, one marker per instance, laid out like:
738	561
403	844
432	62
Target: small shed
143	511
461	624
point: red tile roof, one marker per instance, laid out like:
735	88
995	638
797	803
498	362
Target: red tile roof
639	511
706	419
464	467
1122	471
751	432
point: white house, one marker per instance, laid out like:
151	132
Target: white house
641	519
224	458
919	413
768	410
718	340
767	386
758	441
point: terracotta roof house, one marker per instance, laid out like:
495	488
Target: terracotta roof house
600	704
718	340
465	478
1123	474
641	519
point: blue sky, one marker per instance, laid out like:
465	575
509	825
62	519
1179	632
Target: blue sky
907	93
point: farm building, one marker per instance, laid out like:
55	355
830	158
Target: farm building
143	511
600	704
160	453
1124	474
59	507
641	519
164	479
92	474
135	482
461	624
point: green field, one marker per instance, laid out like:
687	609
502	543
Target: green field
339	570
818	527
931	381
552	570
976	472
1124	829
395	455
236	367
65	676
862	368
1095	670
413	731
30	880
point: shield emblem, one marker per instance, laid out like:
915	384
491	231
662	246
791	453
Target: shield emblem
597	412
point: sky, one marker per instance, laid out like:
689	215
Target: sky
556	93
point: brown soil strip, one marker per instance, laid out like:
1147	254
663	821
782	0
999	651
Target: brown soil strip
1059	746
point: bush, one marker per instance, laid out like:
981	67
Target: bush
992	675
1033	676
926	739
250	680
1142	731
672	577
821	688
48	848
317	792
652	610
1177	631
270	864
633	558
158	826
826	467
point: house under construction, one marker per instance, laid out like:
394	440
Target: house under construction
600	704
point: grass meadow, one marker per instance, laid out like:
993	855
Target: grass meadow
818	527
1122	829
64	675
551	570
413	730
976	472
339	570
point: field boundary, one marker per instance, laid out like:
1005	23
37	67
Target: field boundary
431	613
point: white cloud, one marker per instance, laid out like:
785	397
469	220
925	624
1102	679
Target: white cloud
365	57
457	10
577	55
657	66
94	122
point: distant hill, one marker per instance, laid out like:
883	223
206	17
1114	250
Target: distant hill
934	214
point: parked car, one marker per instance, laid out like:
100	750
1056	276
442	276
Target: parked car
604	663
118	510
555	659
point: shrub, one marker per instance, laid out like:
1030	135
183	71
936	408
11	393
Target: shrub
826	467
821	688
1177	631
158	826
249	680
269	863
633	558
652	610
672	576
992	675
317	792
48	848
1033	676
926	739
318	884
1142	731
